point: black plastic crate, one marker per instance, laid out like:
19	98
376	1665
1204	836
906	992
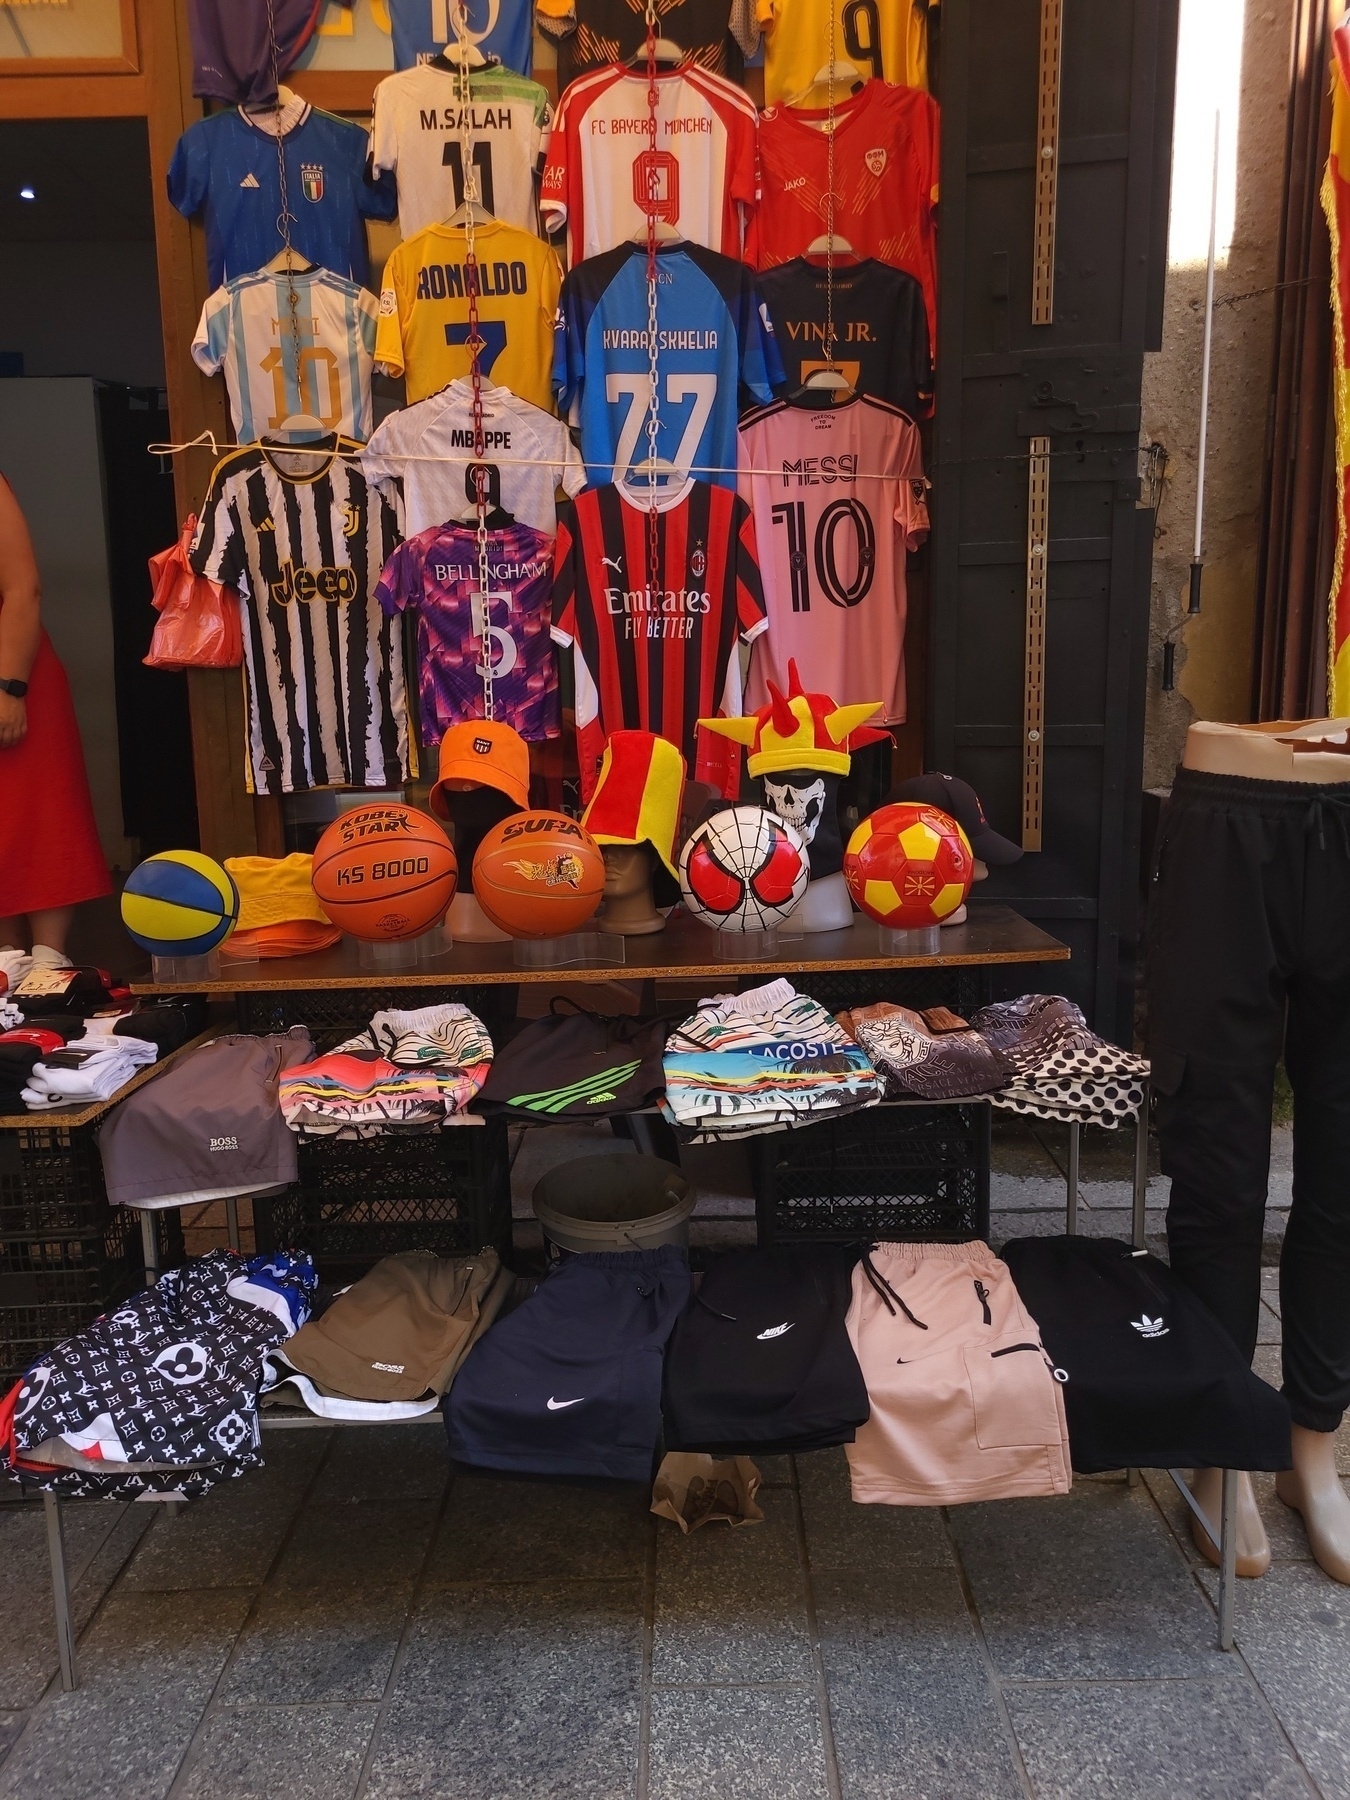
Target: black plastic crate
53	1286
913	1174
334	1014
51	1181
962	989
356	1201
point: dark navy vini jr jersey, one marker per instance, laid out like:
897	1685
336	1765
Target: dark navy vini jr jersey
715	355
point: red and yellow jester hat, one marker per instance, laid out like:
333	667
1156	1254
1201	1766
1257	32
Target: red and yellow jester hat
798	730
637	796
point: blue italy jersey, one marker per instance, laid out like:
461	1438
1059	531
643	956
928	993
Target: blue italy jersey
500	28
716	355
225	168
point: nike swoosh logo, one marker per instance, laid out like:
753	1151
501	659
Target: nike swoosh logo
558	1405
775	1331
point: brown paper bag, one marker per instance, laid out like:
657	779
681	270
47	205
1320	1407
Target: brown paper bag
694	1490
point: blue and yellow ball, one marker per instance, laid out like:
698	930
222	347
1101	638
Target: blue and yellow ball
179	903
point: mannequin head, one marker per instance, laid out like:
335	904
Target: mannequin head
629	909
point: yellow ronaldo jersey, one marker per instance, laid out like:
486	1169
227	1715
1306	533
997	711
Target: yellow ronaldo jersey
885	40
423	331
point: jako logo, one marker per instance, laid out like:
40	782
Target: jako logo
1150	1328
223	1144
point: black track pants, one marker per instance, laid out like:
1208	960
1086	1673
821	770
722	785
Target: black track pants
1249	949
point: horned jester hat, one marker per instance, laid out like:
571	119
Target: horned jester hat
798	730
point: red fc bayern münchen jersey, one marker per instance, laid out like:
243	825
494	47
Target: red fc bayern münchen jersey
656	650
885	181
603	176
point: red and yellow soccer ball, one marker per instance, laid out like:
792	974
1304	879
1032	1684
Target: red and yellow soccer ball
909	865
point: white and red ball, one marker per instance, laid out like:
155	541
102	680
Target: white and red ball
909	865
744	869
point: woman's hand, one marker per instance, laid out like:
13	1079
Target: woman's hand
13	721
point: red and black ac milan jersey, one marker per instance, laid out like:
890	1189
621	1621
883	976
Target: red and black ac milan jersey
654	649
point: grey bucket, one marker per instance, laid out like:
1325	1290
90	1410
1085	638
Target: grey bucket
613	1203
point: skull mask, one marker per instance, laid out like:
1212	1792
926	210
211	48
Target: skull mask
808	801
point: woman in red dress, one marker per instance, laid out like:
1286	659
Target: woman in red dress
50	858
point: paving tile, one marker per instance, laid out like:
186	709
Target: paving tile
842	1535
11	1724
1293	1628
307	1646
496	1529
359	1544
147	1666
1085	1587
1153	1740
516	1693
228	1539
755	1744
302	1752
1268	1364
99	1536
910	1701
731	1602
385	1462
1268	1325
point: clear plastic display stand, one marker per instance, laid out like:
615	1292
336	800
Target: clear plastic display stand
165	971
919	940
407	953
747	946
584	947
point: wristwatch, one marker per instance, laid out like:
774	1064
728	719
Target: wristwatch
15	688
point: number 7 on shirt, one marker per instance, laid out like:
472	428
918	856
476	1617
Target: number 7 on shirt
701	389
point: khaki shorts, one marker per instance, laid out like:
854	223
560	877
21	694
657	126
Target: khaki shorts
965	1403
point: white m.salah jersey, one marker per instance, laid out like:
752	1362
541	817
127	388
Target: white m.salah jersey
421	122
302	539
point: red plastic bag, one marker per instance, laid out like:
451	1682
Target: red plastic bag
198	625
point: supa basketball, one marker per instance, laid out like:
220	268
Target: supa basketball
179	903
538	874
385	872
909	865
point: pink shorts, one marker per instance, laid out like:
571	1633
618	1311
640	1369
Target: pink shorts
965	1402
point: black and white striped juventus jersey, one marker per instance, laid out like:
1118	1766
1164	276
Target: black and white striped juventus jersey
302	539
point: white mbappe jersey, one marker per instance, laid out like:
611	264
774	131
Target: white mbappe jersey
310	359
419	130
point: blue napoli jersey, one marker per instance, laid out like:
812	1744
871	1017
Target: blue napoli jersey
500	28
716	355
226	169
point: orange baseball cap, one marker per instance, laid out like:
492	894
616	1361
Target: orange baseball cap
482	753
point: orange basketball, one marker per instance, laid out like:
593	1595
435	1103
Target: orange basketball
538	874
385	871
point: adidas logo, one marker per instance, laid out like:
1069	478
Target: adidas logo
250	180
591	1090
1150	1328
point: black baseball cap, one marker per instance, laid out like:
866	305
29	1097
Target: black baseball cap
960	801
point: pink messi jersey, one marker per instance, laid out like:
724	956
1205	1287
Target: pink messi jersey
838	496
603	175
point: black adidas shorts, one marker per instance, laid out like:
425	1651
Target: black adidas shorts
570	1382
1154	1381
760	1360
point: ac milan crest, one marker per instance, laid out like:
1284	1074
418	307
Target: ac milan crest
698	563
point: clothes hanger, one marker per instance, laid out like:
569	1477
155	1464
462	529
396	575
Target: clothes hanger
829	380
836	74
641	481
663	232
288	261
471	212
829	243
467	56
666	51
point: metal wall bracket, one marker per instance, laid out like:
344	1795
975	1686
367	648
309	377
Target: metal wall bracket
1033	702
1047	164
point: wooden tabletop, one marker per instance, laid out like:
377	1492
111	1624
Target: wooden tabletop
992	934
49	1118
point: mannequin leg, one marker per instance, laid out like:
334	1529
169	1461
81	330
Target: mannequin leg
1315	1263
1253	1546
52	927
14	933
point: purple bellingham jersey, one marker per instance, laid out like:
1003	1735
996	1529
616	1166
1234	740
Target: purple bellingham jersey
435	575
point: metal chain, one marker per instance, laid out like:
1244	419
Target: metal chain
653	399
481	603
829	200
284	216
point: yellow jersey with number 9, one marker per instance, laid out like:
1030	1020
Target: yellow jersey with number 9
885	40
423	331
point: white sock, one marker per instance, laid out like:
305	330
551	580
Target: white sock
44	957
